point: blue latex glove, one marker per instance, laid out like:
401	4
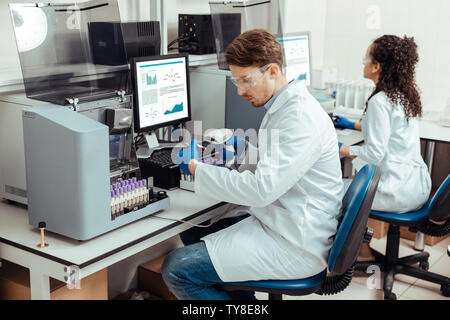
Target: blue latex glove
226	154
187	154
339	145
343	123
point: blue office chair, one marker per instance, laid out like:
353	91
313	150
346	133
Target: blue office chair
351	233
438	209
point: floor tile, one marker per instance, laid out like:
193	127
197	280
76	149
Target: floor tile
427	290
401	282
354	291
405	287
444	243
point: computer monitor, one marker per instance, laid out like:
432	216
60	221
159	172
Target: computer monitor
161	91
297	56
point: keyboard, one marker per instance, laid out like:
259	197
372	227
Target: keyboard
161	158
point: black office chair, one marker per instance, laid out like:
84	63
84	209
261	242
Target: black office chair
351	233
436	209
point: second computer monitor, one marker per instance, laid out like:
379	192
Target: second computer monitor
161	91
297	56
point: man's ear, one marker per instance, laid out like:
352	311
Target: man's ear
274	70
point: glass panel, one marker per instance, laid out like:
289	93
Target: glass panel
56	55
231	18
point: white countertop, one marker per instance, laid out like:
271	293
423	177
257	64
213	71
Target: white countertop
433	130
10	76
15	230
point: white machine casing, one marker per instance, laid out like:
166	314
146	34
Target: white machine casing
12	158
68	174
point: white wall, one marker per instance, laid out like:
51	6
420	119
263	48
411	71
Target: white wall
307	15
352	25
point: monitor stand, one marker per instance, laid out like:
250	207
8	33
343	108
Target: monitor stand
152	140
151	144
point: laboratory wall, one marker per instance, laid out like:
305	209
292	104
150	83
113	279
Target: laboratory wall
352	25
307	15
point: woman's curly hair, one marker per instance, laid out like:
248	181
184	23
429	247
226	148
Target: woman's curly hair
398	58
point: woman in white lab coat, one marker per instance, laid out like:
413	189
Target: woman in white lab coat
390	126
293	192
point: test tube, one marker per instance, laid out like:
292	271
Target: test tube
128	195
142	197
121	199
143	191
138	192
133	193
112	202
348	89
146	198
116	202
340	94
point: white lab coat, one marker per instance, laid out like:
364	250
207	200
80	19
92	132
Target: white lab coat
293	200
394	145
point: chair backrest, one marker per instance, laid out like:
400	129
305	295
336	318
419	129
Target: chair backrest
440	204
353	218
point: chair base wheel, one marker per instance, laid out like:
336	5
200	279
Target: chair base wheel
424	265
445	290
390	296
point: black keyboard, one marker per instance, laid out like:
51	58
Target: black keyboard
161	158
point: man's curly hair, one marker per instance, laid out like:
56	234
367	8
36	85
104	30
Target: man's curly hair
398	58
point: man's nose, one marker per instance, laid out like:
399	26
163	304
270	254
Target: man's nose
240	91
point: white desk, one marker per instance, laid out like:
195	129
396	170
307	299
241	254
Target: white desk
18	240
349	137
431	132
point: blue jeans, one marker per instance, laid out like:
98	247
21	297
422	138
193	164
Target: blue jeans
189	273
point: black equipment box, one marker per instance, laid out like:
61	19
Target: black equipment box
140	39
165	174
197	29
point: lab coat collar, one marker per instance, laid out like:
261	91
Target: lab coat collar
272	100
293	89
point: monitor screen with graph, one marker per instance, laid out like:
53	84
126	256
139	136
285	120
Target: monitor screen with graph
161	91
297	56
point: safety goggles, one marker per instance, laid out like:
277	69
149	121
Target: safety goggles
365	60
249	81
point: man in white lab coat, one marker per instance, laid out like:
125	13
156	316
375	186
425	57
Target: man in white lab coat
291	194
